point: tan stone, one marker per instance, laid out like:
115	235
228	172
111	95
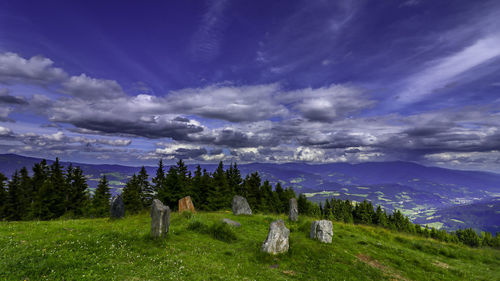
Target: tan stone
185	204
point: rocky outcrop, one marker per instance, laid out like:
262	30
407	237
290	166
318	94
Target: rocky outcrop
117	208
277	238
231	222
185	204
293	211
240	206
160	219
322	230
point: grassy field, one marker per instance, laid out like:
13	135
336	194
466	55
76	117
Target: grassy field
102	249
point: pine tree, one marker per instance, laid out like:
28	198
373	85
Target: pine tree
159	180
40	175
3	196
60	189
14	198
205	187
131	196
221	193
166	193
78	197
196	187
26	194
251	186
281	204
100	201
146	191
234	178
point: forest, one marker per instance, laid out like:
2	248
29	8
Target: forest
52	192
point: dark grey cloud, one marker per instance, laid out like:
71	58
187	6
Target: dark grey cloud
6	98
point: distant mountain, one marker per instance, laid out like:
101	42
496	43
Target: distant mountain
483	215
419	191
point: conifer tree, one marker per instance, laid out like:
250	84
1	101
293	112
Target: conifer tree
100	201
196	193
26	194
221	194
146	191
3	196
205	187
282	202
234	178
59	185
131	196
14	198
159	179
78	196
252	189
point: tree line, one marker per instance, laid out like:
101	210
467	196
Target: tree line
53	192
365	213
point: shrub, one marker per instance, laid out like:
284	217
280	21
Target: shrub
221	231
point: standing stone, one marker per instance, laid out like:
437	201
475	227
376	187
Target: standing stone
185	204
293	210
160	219
240	206
117	208
231	222
277	238
322	230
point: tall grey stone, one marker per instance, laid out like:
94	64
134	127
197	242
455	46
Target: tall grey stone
277	238
160	219
240	206
117	208
293	211
322	230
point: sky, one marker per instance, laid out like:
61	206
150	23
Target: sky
132	82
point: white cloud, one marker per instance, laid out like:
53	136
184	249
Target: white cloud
442	72
37	70
90	88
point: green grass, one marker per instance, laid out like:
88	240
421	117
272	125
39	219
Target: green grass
198	247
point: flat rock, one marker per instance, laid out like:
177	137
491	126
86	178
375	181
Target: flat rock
277	239
185	204
117	208
160	219
322	230
240	206
293	211
231	222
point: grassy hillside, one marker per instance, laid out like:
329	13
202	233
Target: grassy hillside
101	249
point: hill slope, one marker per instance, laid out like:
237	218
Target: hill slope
91	249
418	191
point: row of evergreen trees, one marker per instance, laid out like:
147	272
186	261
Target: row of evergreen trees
208	191
365	213
52	192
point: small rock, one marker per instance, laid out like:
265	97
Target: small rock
231	222
277	238
322	230
117	208
185	204
293	210
160	219
240	206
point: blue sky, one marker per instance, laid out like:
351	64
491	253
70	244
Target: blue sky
252	81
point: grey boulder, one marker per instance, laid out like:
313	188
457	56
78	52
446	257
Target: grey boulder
240	206
160	219
231	222
277	238
293	212
117	208
322	230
